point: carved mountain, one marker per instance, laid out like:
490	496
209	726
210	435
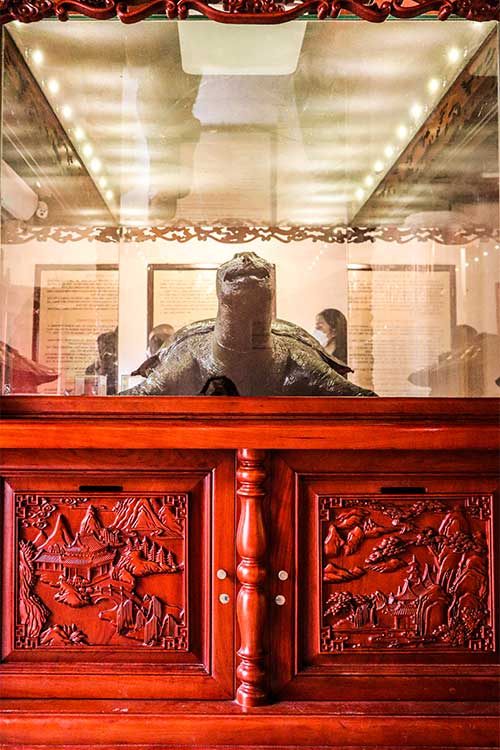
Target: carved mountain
133	562
170	521
59	538
90	523
63	635
138	515
41	538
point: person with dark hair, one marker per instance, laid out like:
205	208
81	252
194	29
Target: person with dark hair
331	332
161	335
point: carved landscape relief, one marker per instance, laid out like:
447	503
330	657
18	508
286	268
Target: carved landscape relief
101	571
406	573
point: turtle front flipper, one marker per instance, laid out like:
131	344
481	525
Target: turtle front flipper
308	375
177	374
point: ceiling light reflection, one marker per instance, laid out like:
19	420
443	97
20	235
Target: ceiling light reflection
433	85
416	111
37	56
54	86
402	132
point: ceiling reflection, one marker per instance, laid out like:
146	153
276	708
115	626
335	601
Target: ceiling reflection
128	137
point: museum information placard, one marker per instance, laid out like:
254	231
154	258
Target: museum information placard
400	320
72	306
181	294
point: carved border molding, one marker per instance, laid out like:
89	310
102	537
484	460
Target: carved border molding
246	11
238	232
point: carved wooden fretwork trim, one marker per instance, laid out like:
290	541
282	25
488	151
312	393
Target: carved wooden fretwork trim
406	573
235	232
91	569
245	11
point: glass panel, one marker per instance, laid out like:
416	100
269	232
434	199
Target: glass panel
360	161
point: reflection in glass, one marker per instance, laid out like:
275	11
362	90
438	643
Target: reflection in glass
360	161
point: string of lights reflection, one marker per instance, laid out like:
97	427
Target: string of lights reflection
418	111
464	263
80	141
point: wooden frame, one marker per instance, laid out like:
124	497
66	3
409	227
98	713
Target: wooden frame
200	668
283	448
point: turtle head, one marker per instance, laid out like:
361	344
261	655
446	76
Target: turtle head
245	291
245	277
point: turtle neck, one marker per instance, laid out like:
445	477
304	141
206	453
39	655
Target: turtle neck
241	330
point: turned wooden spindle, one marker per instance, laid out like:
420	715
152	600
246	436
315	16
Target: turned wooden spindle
251	605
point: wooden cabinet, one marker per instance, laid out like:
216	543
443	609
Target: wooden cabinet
240	572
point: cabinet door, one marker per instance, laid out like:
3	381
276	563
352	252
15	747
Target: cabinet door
110	586
391	590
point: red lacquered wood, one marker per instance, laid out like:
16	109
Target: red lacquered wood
251	605
300	670
283	423
246	11
204	666
316	447
159	724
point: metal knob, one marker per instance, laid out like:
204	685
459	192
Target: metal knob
280	600
224	598
283	575
221	574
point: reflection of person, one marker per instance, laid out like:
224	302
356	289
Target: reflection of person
171	130
160	337
331	332
469	369
107	360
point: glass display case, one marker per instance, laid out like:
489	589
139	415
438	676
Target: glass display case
249	208
360	162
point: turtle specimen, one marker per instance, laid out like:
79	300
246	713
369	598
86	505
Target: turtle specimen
260	356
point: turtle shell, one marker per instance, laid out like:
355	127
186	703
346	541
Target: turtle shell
282	328
186	332
285	329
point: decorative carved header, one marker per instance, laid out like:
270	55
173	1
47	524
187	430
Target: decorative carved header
246	11
235	232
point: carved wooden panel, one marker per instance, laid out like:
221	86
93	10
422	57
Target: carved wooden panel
108	577
106	570
390	578
405	573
